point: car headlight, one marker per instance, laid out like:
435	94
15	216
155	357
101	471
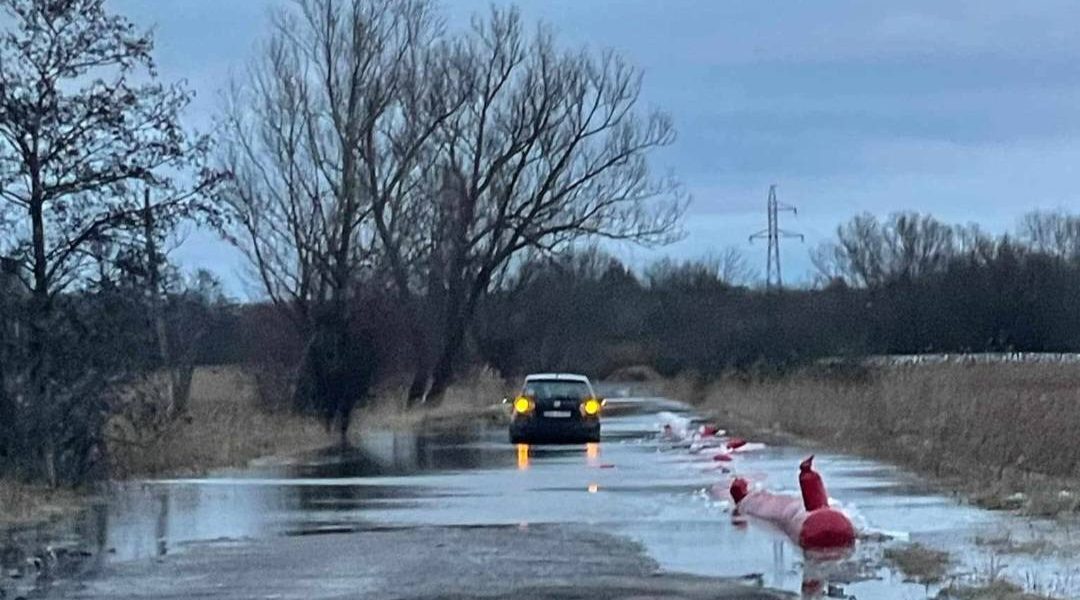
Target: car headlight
523	405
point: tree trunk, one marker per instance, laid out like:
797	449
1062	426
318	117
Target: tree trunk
177	377
454	324
443	374
421	360
344	419
419	385
418	339
7	409
461	307
37	224
49	455
38	346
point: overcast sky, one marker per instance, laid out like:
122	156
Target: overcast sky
968	110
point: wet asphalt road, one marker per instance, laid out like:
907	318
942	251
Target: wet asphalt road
464	514
545	562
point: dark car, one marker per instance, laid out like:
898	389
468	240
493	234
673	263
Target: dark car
556	408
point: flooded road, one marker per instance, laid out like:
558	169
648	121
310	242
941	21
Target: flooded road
633	485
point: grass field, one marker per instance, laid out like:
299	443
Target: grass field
1006	432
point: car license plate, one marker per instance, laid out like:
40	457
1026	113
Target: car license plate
557	414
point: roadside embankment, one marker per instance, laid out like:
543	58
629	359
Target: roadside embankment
1002	434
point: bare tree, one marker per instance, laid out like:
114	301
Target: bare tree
327	131
549	149
918	245
1053	233
75	132
870	253
450	154
732	266
726	269
974	244
371	142
857	254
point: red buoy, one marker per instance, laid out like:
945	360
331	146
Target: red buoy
740	488
813	488
826	528
809	521
736	443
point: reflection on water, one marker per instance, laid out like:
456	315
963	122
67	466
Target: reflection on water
522	457
592	452
630	484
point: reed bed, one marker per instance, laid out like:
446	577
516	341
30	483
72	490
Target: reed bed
1008	433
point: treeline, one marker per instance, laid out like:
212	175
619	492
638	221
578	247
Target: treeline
908	284
904	285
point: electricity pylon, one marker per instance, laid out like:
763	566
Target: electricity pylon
773	278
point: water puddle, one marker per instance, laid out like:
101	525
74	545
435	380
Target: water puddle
631	484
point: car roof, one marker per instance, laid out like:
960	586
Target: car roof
556	377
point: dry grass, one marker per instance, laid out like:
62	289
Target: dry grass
23	503
479	395
1006	544
919	563
224	427
998	428
685	386
997	590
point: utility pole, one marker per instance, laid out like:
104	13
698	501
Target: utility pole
773	278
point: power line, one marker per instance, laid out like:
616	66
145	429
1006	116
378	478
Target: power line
773	278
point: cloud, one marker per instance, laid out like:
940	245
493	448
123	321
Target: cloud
967	109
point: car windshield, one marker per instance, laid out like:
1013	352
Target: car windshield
543	390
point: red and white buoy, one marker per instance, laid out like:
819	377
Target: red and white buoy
810	521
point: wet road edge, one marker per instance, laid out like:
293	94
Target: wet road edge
554	562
